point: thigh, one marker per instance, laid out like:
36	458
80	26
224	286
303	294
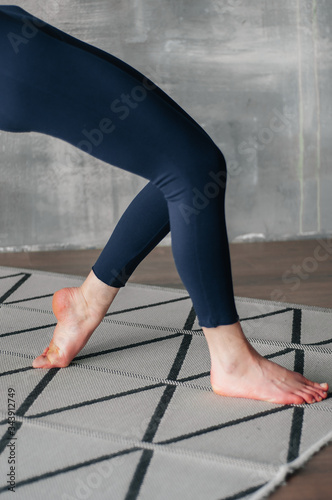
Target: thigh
58	85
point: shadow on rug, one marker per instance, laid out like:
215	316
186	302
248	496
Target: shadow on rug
134	416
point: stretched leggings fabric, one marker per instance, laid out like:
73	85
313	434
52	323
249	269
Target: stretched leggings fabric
55	84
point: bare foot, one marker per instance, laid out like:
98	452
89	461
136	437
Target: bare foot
79	311
238	370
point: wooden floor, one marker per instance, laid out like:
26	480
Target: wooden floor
299	272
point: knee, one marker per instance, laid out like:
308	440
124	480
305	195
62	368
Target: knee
193	166
206	171
198	184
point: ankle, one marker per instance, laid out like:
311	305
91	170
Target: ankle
227	343
225	335
98	296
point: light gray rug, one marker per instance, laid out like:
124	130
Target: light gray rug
134	416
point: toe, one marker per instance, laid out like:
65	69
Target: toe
320	387
295	399
57	360
288	399
309	398
317	393
50	358
315	389
41	362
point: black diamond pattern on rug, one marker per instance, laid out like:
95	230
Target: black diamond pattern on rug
134	416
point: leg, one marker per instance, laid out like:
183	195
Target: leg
80	310
111	115
238	370
142	226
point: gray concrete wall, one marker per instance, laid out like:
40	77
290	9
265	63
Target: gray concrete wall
255	74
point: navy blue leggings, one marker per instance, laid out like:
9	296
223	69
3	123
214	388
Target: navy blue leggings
55	84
